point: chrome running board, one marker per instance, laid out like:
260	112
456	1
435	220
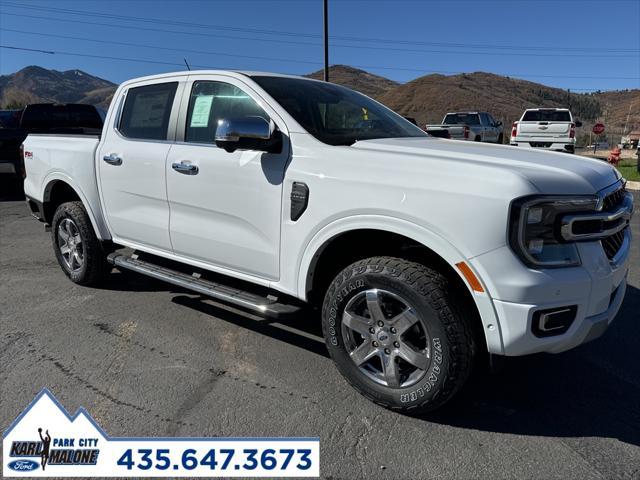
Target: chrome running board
268	306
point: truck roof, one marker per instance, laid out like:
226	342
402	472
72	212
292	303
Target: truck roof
230	73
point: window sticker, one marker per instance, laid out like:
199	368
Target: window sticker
149	109
201	110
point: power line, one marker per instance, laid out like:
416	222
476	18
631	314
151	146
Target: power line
373	67
307	35
22	32
509	2
158	47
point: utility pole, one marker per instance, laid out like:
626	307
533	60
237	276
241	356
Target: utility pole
326	39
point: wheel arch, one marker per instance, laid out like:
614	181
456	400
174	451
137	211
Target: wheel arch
61	188
348	240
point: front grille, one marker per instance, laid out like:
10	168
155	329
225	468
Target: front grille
611	202
613	243
614	199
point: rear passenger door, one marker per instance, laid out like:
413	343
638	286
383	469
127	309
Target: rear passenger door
486	128
131	164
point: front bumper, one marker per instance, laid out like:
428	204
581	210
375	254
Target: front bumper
596	288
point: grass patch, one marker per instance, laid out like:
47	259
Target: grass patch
629	169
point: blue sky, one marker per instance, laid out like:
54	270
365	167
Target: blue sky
577	44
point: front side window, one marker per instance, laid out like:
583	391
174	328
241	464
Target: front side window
147	110
214	101
336	115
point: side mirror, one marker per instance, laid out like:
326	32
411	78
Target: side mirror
578	123
499	123
248	133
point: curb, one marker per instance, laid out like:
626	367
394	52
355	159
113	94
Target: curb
632	185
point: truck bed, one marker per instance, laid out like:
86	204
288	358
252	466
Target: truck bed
71	158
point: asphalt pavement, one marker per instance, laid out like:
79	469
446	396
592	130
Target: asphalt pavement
146	359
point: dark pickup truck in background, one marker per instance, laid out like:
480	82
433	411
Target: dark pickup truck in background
15	125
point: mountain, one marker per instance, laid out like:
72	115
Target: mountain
426	98
36	84
620	107
365	82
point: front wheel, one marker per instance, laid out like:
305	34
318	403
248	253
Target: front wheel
500	139
397	335
77	249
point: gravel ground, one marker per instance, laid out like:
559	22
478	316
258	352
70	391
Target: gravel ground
148	360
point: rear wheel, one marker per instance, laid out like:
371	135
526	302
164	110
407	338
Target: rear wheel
477	139
77	249
396	334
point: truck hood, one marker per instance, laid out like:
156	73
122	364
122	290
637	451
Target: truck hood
549	172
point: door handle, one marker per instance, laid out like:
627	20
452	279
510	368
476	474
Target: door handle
112	159
185	168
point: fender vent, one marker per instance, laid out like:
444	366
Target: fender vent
299	199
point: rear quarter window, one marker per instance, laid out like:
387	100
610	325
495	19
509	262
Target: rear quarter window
546	116
146	111
462	119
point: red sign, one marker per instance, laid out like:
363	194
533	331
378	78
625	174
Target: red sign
598	128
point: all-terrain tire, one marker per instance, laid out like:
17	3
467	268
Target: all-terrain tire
427	292
93	267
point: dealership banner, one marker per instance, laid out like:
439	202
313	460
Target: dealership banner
45	441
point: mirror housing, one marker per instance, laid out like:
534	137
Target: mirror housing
248	133
578	123
499	123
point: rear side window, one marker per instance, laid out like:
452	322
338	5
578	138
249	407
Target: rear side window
147	110
214	101
546	116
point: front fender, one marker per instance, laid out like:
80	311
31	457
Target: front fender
441	246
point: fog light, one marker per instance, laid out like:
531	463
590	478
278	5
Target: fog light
554	321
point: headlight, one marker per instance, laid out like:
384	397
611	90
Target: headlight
534	229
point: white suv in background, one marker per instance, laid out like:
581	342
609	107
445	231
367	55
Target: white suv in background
546	128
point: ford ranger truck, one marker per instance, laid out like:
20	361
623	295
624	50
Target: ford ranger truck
546	128
269	192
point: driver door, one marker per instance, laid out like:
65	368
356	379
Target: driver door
225	208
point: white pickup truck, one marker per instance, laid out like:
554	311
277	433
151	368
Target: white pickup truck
269	192
546	128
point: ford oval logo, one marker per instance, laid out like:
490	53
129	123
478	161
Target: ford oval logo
23	465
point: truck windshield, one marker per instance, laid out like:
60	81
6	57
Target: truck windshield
10	118
462	119
336	115
546	116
